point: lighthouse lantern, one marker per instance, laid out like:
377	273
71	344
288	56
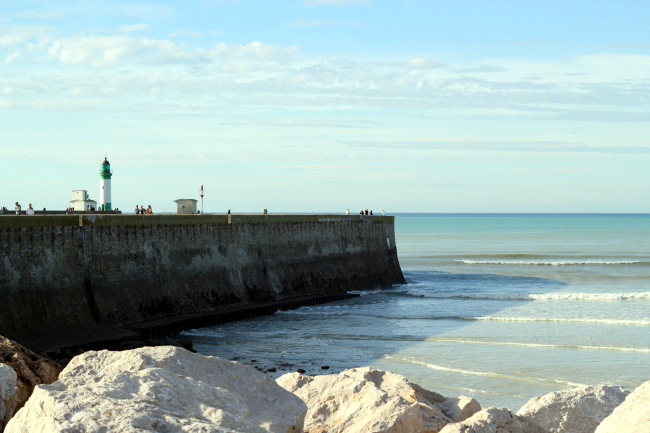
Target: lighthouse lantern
105	174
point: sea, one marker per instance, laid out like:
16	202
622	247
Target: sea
499	307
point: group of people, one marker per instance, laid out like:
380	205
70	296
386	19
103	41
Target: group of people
28	211
142	211
366	212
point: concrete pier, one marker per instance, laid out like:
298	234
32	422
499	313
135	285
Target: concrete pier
73	279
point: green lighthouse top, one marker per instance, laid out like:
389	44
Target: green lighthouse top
105	172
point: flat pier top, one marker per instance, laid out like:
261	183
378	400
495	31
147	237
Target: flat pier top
14	221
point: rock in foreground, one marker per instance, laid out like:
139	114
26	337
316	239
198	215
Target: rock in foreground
494	420
632	416
20	371
363	400
159	389
577	410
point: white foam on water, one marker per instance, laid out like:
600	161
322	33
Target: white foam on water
536	263
492	374
367	292
560	319
633	296
549	346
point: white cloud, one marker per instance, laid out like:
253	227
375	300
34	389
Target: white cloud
128	28
112	51
303	22
39	15
419	63
252	50
331	2
100	51
184	32
173	74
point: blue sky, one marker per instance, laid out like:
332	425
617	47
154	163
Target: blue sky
322	105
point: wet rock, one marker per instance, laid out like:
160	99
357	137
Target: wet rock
364	400
633	415
130	345
67	353
54	354
271	370
185	344
301	371
159	389
494	420
20	371
325	367
578	410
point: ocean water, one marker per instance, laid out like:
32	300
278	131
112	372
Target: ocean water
497	307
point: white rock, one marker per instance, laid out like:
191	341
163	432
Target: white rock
362	400
8	382
494	420
577	410
159	389
459	408
632	416
8	390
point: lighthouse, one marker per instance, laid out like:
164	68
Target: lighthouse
105	174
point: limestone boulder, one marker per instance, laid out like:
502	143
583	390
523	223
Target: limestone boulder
494	420
8	392
459	408
20	371
366	400
631	416
159	389
578	410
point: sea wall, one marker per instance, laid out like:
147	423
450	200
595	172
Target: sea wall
73	277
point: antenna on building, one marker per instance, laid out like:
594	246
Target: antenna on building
201	193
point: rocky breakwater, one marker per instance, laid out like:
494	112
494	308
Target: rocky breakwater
367	400
159	389
20	371
169	389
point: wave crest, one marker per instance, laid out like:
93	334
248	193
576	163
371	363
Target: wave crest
634	296
538	263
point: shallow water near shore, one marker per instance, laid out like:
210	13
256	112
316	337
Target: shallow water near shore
498	307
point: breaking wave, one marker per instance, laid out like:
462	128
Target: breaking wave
491	374
536	263
520	319
634	296
539	345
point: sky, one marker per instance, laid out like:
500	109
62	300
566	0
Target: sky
322	105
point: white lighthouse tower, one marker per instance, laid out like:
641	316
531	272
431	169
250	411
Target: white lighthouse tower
105	174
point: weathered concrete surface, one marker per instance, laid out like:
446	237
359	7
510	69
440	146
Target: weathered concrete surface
71	273
159	389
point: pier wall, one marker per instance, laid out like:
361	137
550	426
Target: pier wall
70	277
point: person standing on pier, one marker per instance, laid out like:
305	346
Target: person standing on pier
18	208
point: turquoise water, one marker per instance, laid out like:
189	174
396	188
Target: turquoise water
497	307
